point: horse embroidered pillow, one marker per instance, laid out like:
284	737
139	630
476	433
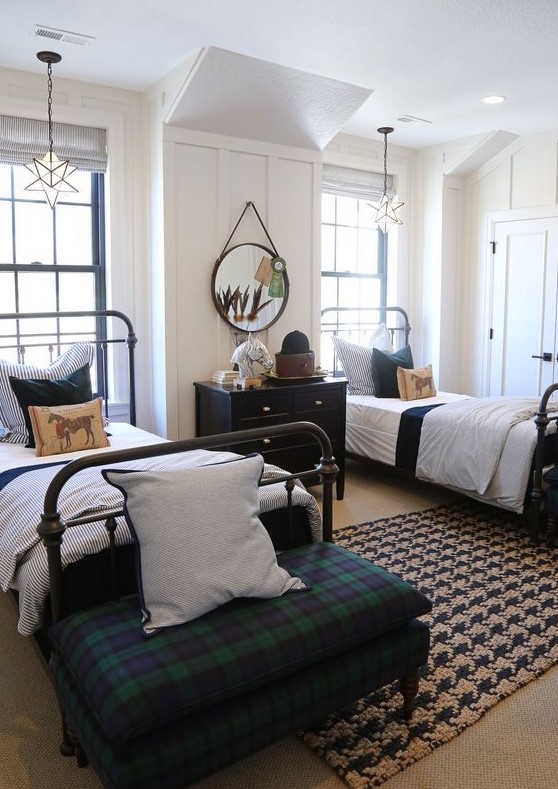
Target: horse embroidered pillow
68	428
415	384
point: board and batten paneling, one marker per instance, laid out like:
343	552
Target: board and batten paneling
208	181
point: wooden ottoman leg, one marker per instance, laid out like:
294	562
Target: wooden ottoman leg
66	746
551	523
408	685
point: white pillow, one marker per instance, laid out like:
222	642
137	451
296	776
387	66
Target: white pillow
381	339
11	415
356	360
200	542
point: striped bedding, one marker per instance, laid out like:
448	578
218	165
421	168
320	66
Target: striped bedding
23	564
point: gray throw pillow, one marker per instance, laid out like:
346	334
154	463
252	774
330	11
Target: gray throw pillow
200	542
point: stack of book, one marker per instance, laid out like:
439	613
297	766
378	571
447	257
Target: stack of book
224	377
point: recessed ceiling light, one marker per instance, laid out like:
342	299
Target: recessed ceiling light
494	99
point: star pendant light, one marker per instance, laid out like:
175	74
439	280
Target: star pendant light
50	173
386	209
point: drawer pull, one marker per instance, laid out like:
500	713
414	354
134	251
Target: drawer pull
266	408
318	402
266	441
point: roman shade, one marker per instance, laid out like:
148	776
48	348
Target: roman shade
355	183
22	139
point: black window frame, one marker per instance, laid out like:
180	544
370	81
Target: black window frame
97	267
98	236
338	273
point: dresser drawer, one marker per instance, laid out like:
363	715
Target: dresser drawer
265	445
320	400
263	407
293	459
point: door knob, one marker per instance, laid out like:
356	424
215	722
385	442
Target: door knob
546	357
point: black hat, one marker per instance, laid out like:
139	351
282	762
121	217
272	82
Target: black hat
295	342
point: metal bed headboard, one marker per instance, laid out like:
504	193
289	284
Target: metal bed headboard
357	324
21	339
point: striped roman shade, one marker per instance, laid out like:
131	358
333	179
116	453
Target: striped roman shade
363	184
22	139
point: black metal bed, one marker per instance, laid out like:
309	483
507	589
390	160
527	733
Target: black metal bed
357	324
111	333
109	329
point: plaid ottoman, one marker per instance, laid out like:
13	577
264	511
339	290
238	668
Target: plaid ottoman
166	711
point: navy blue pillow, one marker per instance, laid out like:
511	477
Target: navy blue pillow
72	390
384	370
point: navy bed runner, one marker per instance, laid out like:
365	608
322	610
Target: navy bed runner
12	473
408	437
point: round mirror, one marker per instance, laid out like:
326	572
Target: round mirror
250	287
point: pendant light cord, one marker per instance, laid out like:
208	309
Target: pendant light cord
385	163
49	105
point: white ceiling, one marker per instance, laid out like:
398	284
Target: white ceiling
432	59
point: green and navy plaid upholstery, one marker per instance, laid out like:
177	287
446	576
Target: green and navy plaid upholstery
134	686
183	752
164	712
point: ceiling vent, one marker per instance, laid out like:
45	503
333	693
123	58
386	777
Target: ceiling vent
65	36
412	119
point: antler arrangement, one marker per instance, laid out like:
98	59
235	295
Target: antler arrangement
237	301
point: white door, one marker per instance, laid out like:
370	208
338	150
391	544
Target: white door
522	353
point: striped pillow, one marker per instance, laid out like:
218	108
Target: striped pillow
356	360
11	414
199	540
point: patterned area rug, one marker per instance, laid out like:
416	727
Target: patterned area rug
494	628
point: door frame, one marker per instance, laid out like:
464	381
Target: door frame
492	220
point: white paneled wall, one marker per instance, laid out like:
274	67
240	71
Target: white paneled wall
207	182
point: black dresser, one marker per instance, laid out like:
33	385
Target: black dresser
221	409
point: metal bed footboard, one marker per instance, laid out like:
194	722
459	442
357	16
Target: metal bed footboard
542	461
51	528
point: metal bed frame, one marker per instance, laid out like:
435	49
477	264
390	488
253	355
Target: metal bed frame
51	527
353	323
23	339
109	330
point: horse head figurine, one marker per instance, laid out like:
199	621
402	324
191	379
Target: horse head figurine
248	353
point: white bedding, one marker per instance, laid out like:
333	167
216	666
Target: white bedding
373	425
461	445
23	562
122	436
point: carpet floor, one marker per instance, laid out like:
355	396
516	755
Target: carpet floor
494	628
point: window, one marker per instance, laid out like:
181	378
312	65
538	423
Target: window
51	260
353	254
354	248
